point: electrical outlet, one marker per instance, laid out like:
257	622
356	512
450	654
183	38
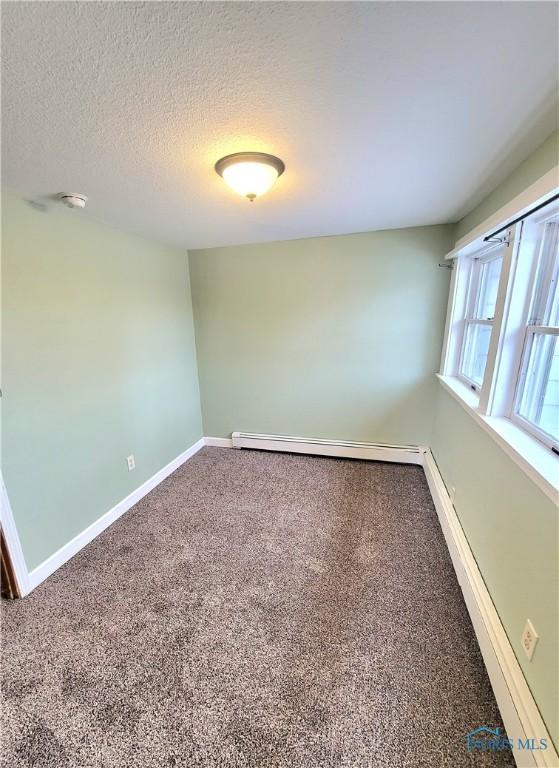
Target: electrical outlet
529	639
131	462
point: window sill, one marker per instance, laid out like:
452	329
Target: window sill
535	459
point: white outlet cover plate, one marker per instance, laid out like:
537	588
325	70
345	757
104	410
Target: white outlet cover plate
131	463
529	639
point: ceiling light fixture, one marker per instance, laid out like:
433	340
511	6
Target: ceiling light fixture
72	200
250	173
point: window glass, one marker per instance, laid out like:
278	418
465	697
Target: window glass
490	272
546	300
476	347
539	401
482	298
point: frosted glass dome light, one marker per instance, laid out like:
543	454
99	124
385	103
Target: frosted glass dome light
250	174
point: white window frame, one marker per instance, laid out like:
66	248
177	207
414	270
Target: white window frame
474	270
531	331
534	231
493	404
459	309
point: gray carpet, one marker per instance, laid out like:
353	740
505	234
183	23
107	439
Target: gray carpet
256	609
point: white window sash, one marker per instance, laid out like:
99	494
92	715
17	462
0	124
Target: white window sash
536	385
503	352
471	269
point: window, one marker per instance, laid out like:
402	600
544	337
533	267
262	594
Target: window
536	404
502	337
478	323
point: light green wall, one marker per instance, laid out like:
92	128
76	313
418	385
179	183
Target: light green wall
333	337
536	165
512	528
98	363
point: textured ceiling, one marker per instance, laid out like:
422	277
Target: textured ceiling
386	114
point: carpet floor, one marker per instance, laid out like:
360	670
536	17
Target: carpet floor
256	609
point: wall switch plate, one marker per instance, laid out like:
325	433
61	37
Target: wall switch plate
131	462
529	639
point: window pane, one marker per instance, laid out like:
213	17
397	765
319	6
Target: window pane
551	311
539	401
476	346
490	271
545	310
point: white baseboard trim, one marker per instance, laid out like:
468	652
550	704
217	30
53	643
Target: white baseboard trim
51	564
518	708
406	454
218	442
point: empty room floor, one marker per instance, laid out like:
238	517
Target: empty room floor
256	609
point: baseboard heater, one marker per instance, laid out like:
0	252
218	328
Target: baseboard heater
401	454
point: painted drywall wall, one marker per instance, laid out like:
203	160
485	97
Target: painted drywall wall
98	363
511	525
512	528
334	337
536	165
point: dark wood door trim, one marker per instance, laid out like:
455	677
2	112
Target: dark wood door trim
8	580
